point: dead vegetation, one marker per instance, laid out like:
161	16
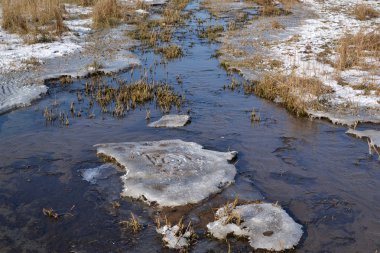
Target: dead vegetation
364	12
42	18
354	49
171	52
211	32
107	13
296	93
132	224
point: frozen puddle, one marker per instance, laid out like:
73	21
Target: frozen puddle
267	226
171	121
170	172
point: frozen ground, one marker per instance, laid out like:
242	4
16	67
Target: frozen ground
24	67
333	19
172	172
312	27
266	225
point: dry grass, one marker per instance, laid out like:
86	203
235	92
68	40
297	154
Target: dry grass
364	12
270	8
276	25
353	49
171	52
133	224
212	32
106	13
296	93
33	17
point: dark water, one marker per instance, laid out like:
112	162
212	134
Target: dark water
325	179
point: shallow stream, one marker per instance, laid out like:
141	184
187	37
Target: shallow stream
325	179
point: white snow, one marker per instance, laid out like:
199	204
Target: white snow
15	53
267	226
171	121
170	172
333	21
172	238
13	49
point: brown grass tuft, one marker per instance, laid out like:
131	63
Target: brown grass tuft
296	93
352	49
106	13
33	17
364	12
171	52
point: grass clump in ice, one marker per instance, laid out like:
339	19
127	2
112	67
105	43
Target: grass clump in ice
171	52
133	224
179	236
296	93
211	32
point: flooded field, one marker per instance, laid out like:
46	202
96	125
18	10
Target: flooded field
325	179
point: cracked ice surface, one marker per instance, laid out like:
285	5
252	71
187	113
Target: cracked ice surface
170	172
267	226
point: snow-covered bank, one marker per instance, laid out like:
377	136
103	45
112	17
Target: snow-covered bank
305	43
333	20
24	67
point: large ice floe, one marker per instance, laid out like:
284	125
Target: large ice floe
171	121
267	226
170	172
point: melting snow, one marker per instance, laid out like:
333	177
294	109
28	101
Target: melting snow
267	226
333	21
171	172
172	239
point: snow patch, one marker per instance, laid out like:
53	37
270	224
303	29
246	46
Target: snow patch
172	238
267	226
170	172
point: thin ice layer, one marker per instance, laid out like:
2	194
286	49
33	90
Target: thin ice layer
12	96
267	226
372	135
171	121
171	172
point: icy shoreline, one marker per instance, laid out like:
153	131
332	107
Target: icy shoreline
25	67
